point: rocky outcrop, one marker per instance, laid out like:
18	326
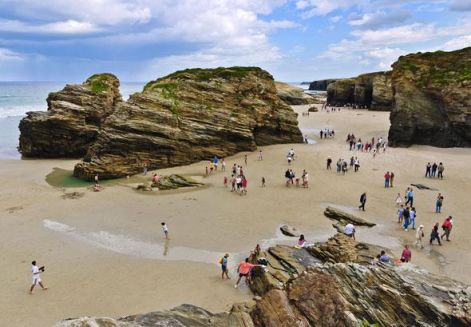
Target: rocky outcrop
372	91
293	95
344	217
72	121
320	85
171	182
328	284
289	231
432	99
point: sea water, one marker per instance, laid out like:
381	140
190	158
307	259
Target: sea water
17	98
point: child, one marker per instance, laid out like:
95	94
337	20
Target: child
165	230
263	181
419	235
36	278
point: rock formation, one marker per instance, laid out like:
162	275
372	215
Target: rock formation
372	91
182	118
329	284
432	95
293	95
72	121
344	217
320	85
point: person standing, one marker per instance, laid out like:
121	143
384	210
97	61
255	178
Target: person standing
387	176
263	181
260	155
223	164
419	235
398	199
329	163
144	170
406	215
357	164
362	201
412	217
434	235
224	268
165	230
36	277
434	169
400	214
245	159
244	270
406	255
441	168
447	226
439	203
428	170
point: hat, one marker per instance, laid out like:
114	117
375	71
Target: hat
421	226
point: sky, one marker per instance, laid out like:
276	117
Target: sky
295	40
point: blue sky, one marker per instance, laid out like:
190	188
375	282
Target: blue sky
295	40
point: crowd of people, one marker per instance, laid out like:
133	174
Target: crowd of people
326	133
374	146
431	170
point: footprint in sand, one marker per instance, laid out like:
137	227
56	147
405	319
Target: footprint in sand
14	209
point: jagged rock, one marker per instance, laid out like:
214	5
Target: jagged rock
382	97
344	218
432	95
72	121
189	116
289	231
320	85
341	92
293	95
175	181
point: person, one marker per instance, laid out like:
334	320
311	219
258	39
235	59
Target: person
447	226
165	230
406	255
223	165
387	176
434	169
400	214
362	201
391	179
144	170
329	163
375	260
305	178
439	203
36	277
398	199
288	177
215	163
97	188
384	257
96	179
441	168
412	217
211	167
357	164
244	270
263	181
244	183
349	230
434	235
225	181
289	160
428	169
305	139
301	241
419	235
245	159
406	215
225	270
321	133
260	155
155	178
410	197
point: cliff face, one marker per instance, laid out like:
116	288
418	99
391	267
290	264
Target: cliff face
293	95
432	95
331	285
372	91
320	85
189	116
72	121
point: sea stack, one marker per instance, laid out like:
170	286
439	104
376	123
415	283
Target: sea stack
432	99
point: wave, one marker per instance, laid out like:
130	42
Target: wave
15	111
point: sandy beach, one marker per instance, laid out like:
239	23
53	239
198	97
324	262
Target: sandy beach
105	253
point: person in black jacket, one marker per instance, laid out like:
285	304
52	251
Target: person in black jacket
362	201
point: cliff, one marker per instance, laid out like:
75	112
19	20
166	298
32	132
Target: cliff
320	85
72	121
331	284
432	95
372	91
293	95
182	118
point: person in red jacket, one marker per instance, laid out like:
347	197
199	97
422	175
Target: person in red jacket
406	255
447	226
387	176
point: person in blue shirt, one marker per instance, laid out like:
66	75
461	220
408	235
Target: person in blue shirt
384	257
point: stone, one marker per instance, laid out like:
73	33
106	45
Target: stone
432	99
72	121
289	231
293	95
313	109
344	217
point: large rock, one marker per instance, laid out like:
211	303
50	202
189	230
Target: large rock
341	92
320	85
432	95
72	121
293	95
344	217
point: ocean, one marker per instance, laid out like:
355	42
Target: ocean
17	98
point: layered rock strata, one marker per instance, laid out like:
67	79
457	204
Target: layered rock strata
432	95
72	121
320	85
293	95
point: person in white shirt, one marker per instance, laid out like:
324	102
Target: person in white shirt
165	230
36	278
349	230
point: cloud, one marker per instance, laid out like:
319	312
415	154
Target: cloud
8	55
379	19
311	8
385	56
457	43
460	5
396	35
60	27
335	19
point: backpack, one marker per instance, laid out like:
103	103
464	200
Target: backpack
220	261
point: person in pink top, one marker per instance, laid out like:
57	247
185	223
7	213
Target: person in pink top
244	186
244	269
406	255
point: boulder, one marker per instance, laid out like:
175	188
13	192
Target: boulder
432	99
72	121
188	116
293	95
289	231
344	217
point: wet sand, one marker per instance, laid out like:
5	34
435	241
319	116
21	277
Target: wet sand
105	253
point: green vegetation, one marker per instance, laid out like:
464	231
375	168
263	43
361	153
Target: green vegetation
205	75
99	82
365	323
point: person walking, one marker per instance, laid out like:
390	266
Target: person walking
439	203
412	217
329	163
387	176
410	197
434	235
434	169
400	214
225	270
362	201
260	155
398	199
419	235
406	255
36	276
391	179
165	229
447	226
441	168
